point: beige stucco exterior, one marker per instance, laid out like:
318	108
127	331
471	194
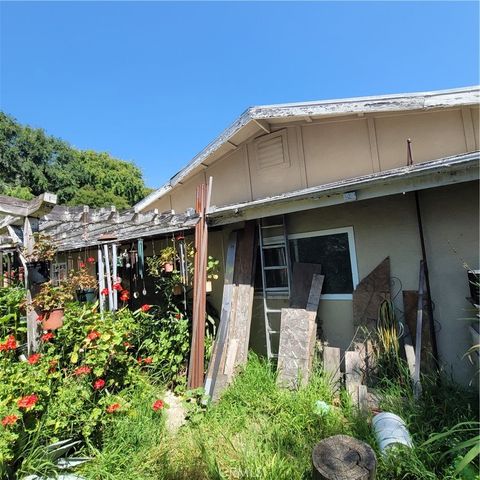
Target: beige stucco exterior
297	155
388	227
287	155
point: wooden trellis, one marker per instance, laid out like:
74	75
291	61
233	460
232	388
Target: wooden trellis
73	228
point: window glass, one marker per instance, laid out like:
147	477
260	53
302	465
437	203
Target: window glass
333	253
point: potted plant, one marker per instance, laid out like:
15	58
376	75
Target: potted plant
167	259
38	260
50	301
84	285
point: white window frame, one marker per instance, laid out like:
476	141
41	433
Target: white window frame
322	233
353	256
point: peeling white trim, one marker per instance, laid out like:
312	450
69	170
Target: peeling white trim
457	97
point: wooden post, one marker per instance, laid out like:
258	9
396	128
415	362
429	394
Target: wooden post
33	337
417	387
220	339
196	364
343	458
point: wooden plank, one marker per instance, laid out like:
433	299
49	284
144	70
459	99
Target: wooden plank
244	277
298	333
331	364
315	293
353	374
219	343
302	276
369	294
417	387
410	304
362	395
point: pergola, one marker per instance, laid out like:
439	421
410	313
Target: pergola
75	228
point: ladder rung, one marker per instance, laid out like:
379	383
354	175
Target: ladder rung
273	310
277	289
274	245
273	226
274	355
275	267
272	332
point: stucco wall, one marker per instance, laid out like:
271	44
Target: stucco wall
305	154
388	227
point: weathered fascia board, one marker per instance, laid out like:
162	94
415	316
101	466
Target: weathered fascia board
151	231
443	172
460	97
97	225
10	220
36	207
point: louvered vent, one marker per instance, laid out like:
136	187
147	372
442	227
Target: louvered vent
271	150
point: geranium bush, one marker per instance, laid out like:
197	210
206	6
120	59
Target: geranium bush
72	387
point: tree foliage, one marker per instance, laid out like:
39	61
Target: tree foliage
32	162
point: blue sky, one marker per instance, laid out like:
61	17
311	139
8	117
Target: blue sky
155	82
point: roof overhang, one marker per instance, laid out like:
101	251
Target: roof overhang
256	119
440	172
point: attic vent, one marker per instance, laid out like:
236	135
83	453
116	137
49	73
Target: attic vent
272	150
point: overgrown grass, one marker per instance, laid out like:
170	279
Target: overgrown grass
258	431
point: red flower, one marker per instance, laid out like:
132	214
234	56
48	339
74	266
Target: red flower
113	407
118	287
158	405
27	402
104	291
40	318
83	370
127	345
93	335
90	260
145	308
148	360
34	358
99	384
178	316
10	343
124	295
81	265
47	336
9	420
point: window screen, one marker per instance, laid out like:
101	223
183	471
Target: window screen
333	253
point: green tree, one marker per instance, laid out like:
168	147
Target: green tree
33	162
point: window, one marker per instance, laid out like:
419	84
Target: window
335	251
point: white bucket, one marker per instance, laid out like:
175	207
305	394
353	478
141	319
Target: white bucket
390	430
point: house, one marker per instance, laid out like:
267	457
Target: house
337	171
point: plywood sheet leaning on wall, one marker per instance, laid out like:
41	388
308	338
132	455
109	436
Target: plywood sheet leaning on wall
298	334
368	296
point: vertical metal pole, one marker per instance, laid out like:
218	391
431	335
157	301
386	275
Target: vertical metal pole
109	278
1	269
114	273
101	279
